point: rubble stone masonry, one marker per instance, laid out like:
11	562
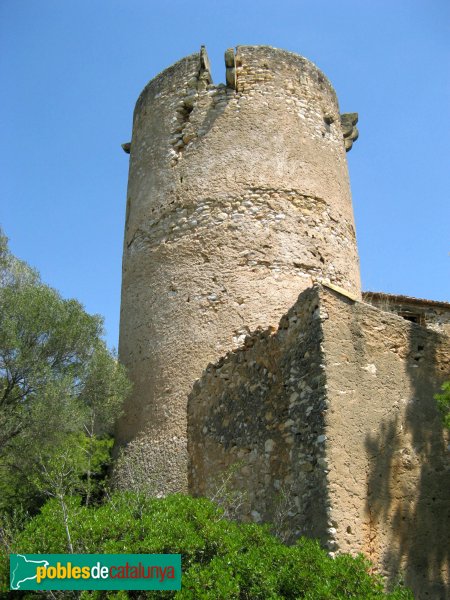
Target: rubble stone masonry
331	418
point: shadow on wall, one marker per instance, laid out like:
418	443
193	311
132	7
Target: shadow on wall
409	479
256	428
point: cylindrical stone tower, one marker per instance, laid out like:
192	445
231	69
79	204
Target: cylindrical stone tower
238	199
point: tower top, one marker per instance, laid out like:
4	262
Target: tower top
263	64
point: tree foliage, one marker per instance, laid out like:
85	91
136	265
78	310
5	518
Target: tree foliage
60	389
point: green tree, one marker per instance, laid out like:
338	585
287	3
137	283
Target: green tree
60	389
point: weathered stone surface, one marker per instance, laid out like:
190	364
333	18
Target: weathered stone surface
349	129
268	414
229	58
390	466
428	313
335	412
237	200
230	72
230	77
205	66
348	122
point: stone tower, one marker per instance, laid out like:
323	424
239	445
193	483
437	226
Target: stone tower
238	200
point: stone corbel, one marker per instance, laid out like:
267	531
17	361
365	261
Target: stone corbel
349	129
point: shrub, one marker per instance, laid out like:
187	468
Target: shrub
221	559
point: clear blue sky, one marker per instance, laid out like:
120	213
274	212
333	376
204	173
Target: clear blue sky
71	71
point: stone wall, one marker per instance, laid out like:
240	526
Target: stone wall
429	313
262	407
238	199
389	475
334	413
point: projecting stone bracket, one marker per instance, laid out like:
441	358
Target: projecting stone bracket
230	65
349	130
204	76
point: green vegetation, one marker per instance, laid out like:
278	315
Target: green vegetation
60	392
221	559
443	402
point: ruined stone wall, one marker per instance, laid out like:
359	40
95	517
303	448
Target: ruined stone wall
333	417
429	313
238	199
262	408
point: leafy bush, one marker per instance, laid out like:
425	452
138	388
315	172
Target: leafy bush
221	559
